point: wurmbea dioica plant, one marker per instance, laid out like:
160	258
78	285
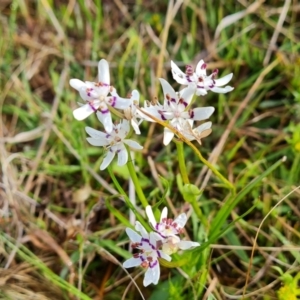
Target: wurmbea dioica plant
177	116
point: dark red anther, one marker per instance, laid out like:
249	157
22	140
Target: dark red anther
145	264
189	70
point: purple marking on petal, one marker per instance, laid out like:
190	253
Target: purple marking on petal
163	236
156	226
211	86
188	79
107	136
153	265
142	258
91	105
173	100
203	66
145	240
200	87
162	115
158	253
181	101
114	98
105	111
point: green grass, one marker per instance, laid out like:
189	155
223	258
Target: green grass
50	177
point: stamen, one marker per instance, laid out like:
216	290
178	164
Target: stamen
189	70
145	264
191	113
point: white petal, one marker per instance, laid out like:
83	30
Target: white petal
150	216
83	112
131	262
153	238
181	220
168	136
152	275
224	90
133	236
199	70
103	72
140	228
125	125
122	157
77	84
188	93
97	142
202	113
164	214
168	90
135	126
184	245
107	160
165	256
104	116
178	75
135	97
224	80
133	144
201	92
119	102
202	127
96	133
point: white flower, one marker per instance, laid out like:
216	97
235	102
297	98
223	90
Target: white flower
147	255
96	96
114	141
203	82
197	133
168	230
175	109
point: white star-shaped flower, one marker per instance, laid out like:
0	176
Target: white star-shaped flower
96	96
175	109
147	255
169	229
114	141
203	82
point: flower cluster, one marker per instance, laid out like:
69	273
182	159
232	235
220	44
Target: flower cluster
102	99
160	243
178	116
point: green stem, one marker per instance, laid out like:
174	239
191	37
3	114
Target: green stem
135	180
204	271
126	199
202	159
199	213
181	161
212	168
